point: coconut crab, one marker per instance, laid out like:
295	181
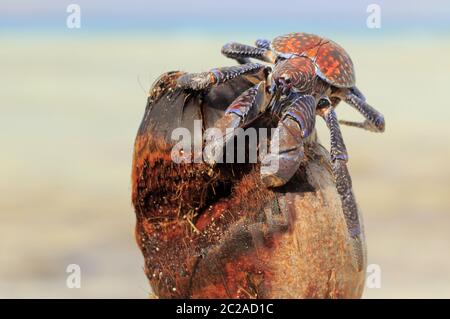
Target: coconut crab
310	76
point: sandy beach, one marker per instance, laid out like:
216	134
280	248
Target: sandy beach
70	108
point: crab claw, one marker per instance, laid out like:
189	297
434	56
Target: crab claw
286	154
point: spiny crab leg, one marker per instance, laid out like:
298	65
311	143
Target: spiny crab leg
263	44
374	120
235	50
204	80
339	160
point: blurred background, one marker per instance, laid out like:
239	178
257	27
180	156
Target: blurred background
71	100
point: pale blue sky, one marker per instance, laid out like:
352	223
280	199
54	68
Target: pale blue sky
209	15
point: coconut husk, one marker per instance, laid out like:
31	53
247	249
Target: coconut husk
218	232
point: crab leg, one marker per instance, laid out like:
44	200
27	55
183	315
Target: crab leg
204	80
374	120
260	43
286	149
263	44
239	51
242	110
339	160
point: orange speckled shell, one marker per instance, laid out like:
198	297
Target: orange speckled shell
334	63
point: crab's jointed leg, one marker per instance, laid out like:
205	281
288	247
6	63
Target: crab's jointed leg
242	110
374	120
339	160
204	80
286	149
263	44
239	51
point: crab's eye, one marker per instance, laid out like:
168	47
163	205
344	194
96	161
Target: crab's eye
323	102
